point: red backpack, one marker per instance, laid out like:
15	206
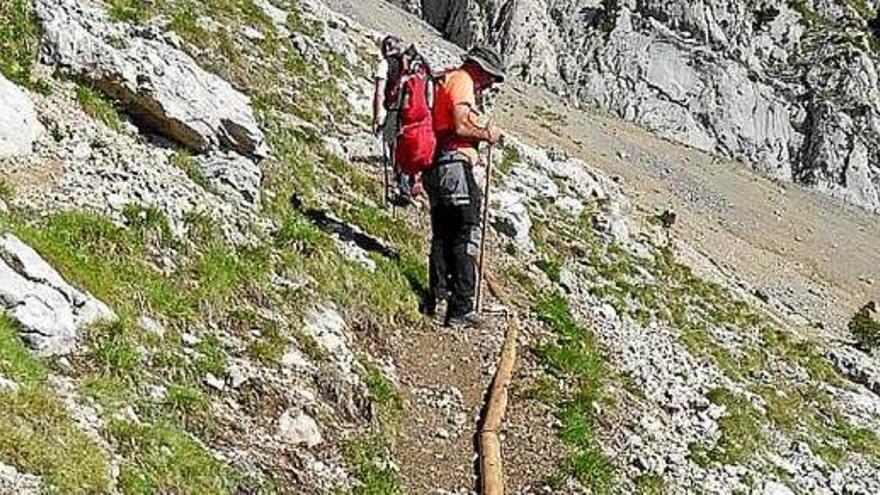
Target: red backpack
414	93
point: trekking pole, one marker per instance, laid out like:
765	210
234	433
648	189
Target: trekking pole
384	171
484	227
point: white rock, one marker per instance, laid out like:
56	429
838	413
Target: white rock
150	325
215	382
775	488
293	358
298	428
7	384
19	127
571	206
511	218
50	311
190	339
236	177
160	84
236	376
14	482
326	326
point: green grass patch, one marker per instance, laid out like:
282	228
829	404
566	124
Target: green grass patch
19	40
382	391
742	435
130	10
575	358
37	434
161	458
650	484
369	457
7	192
16	362
98	106
510	156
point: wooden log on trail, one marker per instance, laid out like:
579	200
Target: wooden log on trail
491	467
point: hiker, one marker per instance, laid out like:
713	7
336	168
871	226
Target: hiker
453	193
386	76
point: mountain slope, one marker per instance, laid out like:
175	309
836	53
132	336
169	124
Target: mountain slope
789	86
264	335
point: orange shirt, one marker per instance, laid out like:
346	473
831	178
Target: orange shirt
457	88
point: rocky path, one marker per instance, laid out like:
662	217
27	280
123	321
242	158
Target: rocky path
445	375
442	372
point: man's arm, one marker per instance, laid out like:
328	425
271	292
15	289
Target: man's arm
465	126
378	97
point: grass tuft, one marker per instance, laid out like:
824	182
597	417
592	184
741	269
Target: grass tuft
574	357
19	40
161	458
98	107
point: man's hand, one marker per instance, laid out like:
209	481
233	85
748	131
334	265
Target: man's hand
493	133
376	127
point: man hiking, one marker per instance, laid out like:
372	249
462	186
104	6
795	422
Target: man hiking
454	195
386	76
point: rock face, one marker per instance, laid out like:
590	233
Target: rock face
50	311
19	127
791	87
162	87
234	176
857	366
12	481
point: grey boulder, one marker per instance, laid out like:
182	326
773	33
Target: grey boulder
163	88
236	178
19	127
50	311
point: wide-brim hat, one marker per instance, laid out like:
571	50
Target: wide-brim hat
488	60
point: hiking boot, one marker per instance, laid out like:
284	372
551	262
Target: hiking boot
469	320
428	307
401	200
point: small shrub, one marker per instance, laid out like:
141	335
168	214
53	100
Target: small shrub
865	327
510	156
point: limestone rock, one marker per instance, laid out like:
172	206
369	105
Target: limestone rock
238	179
151	326
857	366
326	326
19	127
162	87
510	217
50	311
298	428
13	481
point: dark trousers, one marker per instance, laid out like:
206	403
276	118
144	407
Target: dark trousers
455	214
